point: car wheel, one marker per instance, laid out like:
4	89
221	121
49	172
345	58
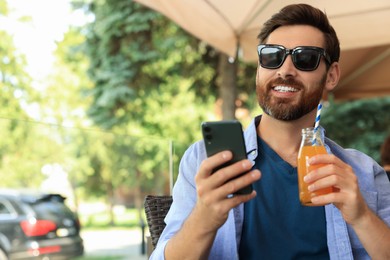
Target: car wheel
3	255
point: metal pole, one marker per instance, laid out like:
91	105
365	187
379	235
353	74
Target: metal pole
170	166
143	246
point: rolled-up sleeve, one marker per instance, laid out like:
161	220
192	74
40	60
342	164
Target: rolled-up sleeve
184	196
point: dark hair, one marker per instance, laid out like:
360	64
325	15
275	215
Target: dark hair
385	152
303	14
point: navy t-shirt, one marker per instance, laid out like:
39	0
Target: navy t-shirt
276	225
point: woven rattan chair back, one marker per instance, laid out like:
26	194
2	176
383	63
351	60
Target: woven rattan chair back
156	208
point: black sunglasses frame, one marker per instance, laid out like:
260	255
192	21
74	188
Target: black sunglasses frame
292	52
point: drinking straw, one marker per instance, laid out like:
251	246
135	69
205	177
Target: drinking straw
318	117
317	122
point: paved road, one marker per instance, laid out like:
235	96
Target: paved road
115	242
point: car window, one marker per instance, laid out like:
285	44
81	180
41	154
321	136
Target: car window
6	209
3	209
51	208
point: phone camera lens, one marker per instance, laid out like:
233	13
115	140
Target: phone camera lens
207	129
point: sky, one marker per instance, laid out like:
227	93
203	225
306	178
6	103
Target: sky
36	39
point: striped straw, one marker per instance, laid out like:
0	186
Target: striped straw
318	117
317	122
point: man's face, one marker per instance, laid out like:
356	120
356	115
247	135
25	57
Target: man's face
287	93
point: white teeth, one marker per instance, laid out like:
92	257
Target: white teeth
285	89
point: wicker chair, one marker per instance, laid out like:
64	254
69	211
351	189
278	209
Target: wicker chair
156	207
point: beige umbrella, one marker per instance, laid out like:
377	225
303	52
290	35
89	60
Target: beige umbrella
231	26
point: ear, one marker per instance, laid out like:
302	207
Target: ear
333	76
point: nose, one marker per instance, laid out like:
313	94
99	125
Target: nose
287	69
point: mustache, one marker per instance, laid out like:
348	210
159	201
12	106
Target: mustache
290	82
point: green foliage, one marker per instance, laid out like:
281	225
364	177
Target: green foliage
133	51
3	7
118	44
24	157
126	219
14	82
148	74
361	124
16	94
110	257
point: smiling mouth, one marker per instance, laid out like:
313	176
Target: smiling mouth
285	89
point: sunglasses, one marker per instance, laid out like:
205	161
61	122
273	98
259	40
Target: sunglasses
306	58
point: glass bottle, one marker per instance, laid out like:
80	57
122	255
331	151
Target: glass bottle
312	144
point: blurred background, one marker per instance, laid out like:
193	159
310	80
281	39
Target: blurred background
100	99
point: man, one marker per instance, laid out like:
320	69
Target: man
270	223
385	156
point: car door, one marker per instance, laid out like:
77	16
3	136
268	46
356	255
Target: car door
9	227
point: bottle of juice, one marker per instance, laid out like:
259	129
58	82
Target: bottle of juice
312	144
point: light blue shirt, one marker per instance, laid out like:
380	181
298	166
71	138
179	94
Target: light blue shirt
342	240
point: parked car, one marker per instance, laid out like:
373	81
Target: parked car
36	225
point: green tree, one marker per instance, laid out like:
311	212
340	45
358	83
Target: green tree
361	124
16	95
64	104
136	57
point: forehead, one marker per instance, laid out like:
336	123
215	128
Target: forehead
297	35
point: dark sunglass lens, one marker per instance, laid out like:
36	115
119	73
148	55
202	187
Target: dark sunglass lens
306	59
271	57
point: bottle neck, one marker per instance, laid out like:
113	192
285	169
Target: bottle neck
311	137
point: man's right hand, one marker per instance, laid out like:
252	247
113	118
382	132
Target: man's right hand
195	238
214	189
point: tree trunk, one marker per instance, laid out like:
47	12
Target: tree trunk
138	200
110	202
227	83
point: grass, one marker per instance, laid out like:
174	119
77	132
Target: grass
99	258
124	219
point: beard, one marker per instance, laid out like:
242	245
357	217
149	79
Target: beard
285	109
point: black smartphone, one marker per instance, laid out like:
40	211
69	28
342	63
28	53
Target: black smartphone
225	135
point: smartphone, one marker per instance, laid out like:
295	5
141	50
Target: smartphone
225	135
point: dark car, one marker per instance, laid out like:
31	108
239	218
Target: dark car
36	225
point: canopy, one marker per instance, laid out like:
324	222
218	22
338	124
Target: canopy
232	27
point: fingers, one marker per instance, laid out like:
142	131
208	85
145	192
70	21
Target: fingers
233	185
224	205
218	200
234	201
213	189
224	179
331	167
338	175
209	164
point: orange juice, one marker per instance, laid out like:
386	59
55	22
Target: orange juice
304	168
